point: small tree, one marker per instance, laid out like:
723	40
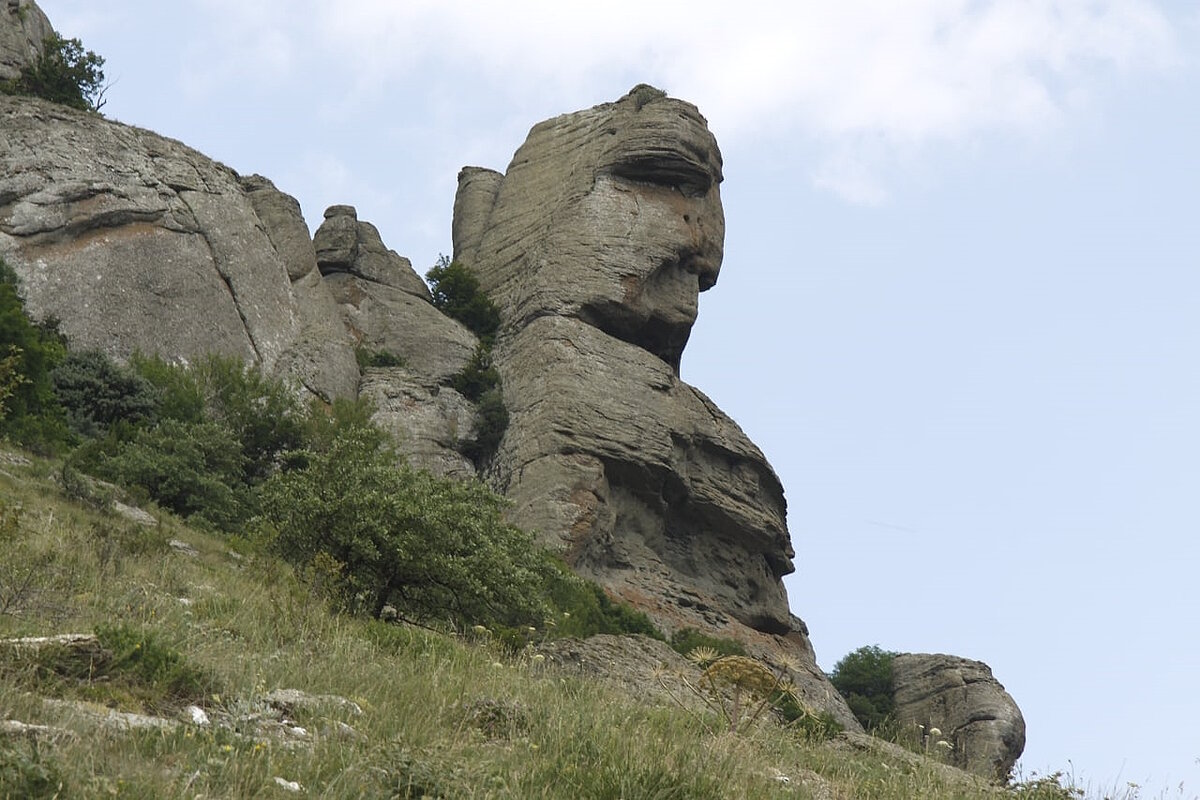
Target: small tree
29	351
456	292
864	678
64	73
433	548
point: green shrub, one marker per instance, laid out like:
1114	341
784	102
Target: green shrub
864	679
25	772
584	609
263	414
10	374
432	548
811	725
325	423
491	421
371	357
478	377
180	394
685	640
64	73
157	674
195	470
456	292
30	414
96	392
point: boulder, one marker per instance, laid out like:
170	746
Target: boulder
23	29
595	245
139	243
970	708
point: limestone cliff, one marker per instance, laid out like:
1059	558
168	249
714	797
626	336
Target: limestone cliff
137	242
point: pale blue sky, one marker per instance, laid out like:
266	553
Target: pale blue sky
958	310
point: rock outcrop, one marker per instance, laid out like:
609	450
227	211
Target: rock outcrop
23	29
962	699
387	308
137	242
595	244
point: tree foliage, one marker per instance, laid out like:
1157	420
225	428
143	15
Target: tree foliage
29	412
64	73
431	547
456	292
864	678
195	470
97	393
262	414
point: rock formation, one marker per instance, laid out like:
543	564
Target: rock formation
960	698
386	307
137	242
23	29
596	244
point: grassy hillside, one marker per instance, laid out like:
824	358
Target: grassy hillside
193	619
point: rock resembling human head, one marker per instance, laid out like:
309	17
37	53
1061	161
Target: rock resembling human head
596	244
611	215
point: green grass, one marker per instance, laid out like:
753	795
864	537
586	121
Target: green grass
442	716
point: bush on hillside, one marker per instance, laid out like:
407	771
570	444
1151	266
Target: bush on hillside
583	609
263	414
64	73
433	548
685	640
97	393
195	470
864	679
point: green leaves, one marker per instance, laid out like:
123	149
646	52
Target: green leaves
64	73
864	678
433	548
456	293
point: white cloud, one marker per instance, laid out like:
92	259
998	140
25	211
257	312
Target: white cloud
918	74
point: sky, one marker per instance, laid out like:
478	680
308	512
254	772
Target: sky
958	310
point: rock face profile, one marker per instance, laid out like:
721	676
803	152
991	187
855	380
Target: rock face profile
969	706
595	244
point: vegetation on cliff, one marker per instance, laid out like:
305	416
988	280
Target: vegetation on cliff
63	73
457	294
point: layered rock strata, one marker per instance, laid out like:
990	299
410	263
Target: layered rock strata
961	699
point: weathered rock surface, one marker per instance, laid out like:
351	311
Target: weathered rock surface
967	704
23	28
426	420
137	242
345	244
595	244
